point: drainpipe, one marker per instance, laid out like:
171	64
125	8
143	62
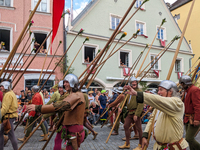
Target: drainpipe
190	60
64	40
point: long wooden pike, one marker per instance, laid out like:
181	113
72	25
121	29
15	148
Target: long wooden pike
138	74
115	33
142	116
19	60
33	122
180	41
19	121
75	57
19	38
192	66
163	21
32	59
59	61
109	117
117	118
50	63
24	61
104	112
176	38
172	64
30	135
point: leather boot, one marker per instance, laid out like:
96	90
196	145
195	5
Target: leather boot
5	139
95	135
138	148
43	135
22	139
114	133
45	138
125	146
89	131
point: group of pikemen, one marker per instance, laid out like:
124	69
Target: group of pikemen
166	124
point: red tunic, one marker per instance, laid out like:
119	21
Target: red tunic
37	100
192	103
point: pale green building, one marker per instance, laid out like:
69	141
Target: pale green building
100	18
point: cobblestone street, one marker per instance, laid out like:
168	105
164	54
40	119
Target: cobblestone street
89	144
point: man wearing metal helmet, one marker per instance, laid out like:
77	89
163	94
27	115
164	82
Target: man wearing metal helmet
73	107
37	100
134	113
192	110
168	124
8	111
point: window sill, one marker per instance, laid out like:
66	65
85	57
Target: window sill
124	67
7	7
144	35
43	13
157	70
160	39
4	51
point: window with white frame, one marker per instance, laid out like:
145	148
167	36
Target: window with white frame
114	21
161	34
5	3
124	59
43	7
39	38
156	65
89	53
4	39
142	26
138	3
178	65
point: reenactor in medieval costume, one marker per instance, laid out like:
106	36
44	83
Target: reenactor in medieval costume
192	110
9	114
168	124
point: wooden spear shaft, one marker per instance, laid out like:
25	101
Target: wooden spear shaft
109	117
180	41
33	122
32	59
155	62
19	121
196	69
153	59
30	135
6	71
19	38
117	118
50	62
192	65
113	36
44	62
148	52
19	60
72	62
59	62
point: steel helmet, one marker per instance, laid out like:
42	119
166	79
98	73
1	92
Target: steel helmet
84	90
185	79
119	89
153	91
6	85
72	79
60	84
132	79
114	90
35	88
166	84
174	86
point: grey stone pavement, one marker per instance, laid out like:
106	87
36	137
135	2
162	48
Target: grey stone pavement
89	144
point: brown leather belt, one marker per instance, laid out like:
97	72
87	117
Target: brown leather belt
171	144
131	110
74	133
189	115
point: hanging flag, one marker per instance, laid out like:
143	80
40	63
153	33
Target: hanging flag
58	6
156	72
179	74
126	71
162	43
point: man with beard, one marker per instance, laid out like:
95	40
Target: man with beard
192	110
